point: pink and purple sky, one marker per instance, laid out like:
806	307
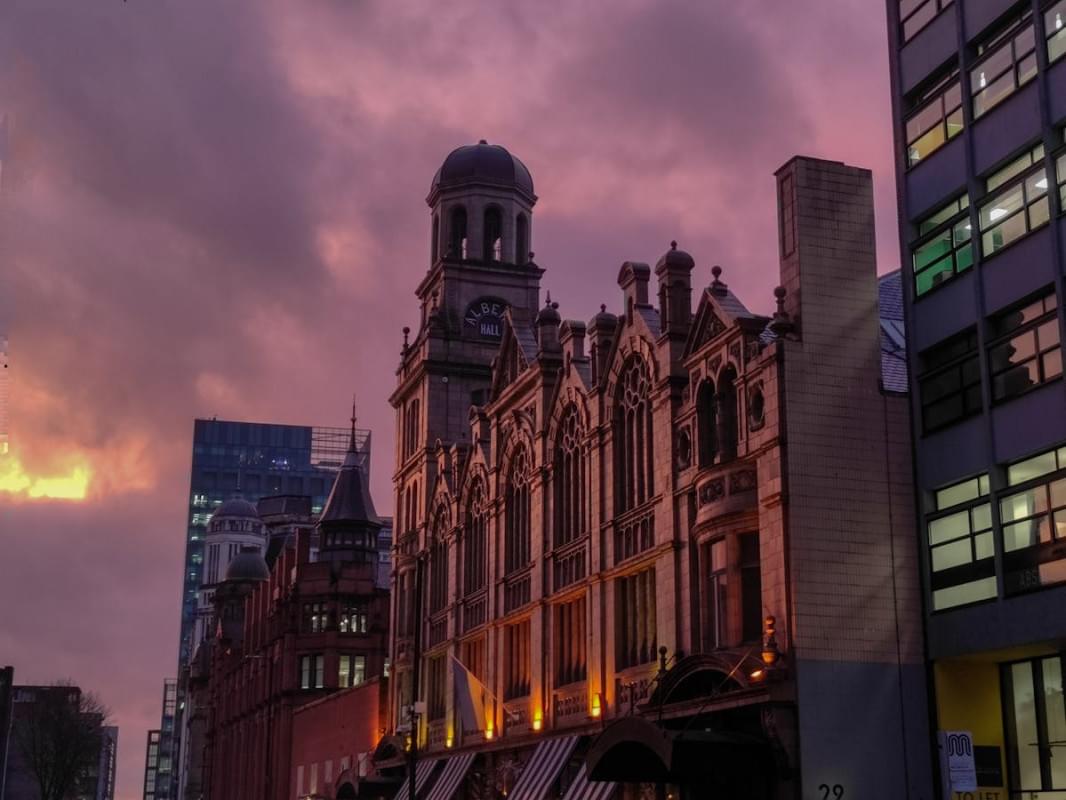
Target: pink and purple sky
217	208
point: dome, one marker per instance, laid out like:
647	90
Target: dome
248	565
236	507
482	163
549	315
676	258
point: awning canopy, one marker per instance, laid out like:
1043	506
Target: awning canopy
543	768
583	789
634	750
455	769
422	772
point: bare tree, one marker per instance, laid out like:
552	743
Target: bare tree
59	736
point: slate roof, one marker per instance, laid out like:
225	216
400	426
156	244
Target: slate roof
893	334
349	499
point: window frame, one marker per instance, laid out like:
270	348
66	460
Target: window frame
941	226
1018	559
955	363
1019	183
1034	327
939	7
569	640
936	94
979	568
994	44
636	639
1058	34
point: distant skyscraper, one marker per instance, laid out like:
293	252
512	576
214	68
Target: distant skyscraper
253	460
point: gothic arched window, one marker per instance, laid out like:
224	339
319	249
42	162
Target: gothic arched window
633	436
707	423
571	494
517	510
457	233
727	412
438	563
521	239
493	247
475	561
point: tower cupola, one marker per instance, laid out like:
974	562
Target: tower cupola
482	201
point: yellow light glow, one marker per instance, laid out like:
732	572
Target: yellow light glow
538	720
14	479
597	706
488	731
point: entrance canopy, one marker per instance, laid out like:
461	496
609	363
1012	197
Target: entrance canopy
634	750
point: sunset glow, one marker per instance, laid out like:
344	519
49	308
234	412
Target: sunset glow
15	480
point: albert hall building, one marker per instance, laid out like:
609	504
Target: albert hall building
668	551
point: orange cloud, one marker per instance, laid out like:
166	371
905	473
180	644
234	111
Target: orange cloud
71	484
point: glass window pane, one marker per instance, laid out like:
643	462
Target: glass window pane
1031	468
1052	364
982	517
972	592
1008	231
1026	534
942	215
951	555
1025	735
919	20
935	275
1056	44
1055	713
991	68
983	546
959	493
1047	335
1036	185
932	250
1023	504
1001	207
950	527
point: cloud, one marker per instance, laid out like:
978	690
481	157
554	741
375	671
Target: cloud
218	208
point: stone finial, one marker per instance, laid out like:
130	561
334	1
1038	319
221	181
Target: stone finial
673	244
406	346
718	286
603	308
781	323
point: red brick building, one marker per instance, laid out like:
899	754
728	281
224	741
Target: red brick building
288	635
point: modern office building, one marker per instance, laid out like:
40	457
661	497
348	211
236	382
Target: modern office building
253	460
979	108
669	552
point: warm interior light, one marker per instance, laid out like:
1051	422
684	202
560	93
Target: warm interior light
997	213
488	731
757	674
448	741
597	707
538	720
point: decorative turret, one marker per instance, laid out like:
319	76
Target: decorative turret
674	271
349	525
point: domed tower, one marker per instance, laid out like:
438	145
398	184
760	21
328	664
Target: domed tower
234	529
481	210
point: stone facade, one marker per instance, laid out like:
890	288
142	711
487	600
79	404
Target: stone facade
673	514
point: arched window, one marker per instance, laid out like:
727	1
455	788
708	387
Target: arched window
707	421
438	563
457	233
633	436
493	246
571	495
727	412
521	239
517	509
434	241
475	562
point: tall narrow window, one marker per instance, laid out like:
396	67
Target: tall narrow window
707	421
569	642
633	436
750	588
474	544
493	246
1035	721
436	687
517	505
521	239
571	515
457	233
516	660
438	563
635	623
715	594
1024	352
727	413
949	385
1008	62
351	670
312	671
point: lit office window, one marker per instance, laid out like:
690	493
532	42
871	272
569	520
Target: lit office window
1060	171
1020	208
916	14
312	671
1034	524
351	670
938	118
1008	62
950	383
961	549
1055	30
316	617
1016	167
945	247
353	619
1025	350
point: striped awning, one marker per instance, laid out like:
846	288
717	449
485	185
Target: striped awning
455	769
422	773
543	768
584	789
